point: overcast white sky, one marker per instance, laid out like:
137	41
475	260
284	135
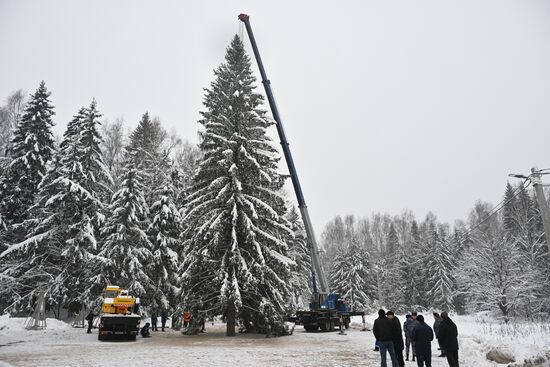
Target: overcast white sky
388	105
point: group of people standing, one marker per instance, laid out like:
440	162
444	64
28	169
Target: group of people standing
154	320
418	335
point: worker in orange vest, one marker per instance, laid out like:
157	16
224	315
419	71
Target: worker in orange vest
186	318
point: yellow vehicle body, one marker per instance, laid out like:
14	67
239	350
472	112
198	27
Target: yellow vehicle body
117	301
119	314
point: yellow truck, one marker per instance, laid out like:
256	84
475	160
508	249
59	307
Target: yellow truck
119	316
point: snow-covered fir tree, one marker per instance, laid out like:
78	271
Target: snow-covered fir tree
411	271
31	149
126	249
351	278
237	262
522	225
440	272
300	253
493	277
145	151
392	271
58	256
164	234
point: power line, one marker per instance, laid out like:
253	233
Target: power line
473	227
496	209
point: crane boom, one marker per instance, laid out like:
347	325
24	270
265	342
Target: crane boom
317	272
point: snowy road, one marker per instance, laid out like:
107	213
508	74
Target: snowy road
73	347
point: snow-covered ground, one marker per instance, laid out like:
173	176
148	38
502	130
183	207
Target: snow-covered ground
62	345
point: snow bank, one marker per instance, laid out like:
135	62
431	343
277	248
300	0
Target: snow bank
9	325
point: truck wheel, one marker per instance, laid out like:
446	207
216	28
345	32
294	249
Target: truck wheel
311	327
325	325
346	323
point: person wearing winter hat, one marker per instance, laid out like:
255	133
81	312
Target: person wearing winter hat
448	338
382	330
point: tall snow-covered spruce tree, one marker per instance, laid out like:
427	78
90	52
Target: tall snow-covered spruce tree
126	249
236	257
164	232
32	148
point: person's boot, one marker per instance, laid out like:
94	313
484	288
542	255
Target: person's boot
414	355
376	349
406	359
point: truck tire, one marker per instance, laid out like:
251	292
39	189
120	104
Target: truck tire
325	325
346	323
311	327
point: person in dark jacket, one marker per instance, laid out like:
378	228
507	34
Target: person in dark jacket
145	331
163	318
154	321
397	338
409	326
422	335
437	321
90	319
448	338
382	330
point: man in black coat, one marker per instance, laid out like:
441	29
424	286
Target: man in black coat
437	322
90	319
448	338
154	320
422	335
397	338
163	318
382	330
145	331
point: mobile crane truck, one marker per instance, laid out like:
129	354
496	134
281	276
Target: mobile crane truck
327	310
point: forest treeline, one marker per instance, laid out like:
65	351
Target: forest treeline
210	227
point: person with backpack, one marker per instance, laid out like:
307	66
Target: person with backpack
422	335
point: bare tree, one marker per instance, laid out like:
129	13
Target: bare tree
10	114
114	141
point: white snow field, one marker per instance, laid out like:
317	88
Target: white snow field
62	345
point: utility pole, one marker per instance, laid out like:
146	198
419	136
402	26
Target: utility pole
535	178
543	204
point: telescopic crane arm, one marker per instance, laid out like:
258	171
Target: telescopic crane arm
317	269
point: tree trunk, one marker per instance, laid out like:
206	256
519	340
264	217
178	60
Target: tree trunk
230	318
